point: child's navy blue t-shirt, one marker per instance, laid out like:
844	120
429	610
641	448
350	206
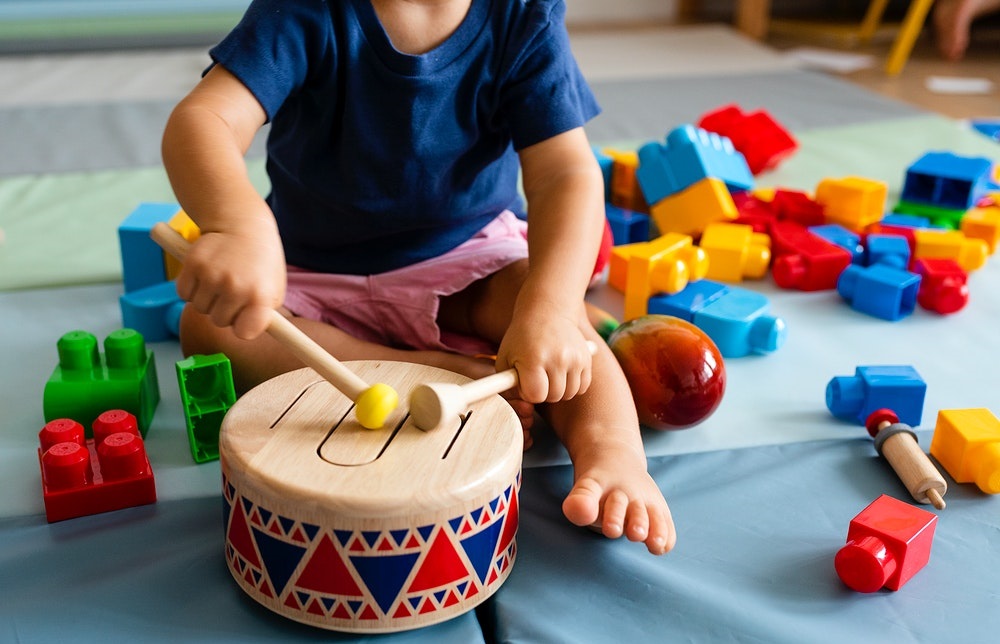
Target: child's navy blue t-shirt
379	159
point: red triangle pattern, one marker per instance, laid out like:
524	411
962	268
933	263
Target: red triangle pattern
441	566
239	535
326	572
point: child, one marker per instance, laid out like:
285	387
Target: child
398	128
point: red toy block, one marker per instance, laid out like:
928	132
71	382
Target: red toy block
887	544
797	206
944	285
762	140
803	260
753	211
82	477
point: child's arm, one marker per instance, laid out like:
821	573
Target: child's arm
235	272
545	341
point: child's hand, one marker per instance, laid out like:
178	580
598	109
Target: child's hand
550	354
236	278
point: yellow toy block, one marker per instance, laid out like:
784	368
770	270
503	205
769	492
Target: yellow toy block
663	265
853	202
950	244
983	223
189	231
690	210
735	251
625	190
967	444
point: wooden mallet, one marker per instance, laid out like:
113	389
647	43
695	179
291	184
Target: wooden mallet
372	403
431	404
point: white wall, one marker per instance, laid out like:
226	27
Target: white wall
587	12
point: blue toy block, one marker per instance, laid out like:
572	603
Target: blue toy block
899	388
905	221
627	226
841	236
142	260
695	296
153	311
990	129
740	323
606	163
689	155
890	250
880	291
946	180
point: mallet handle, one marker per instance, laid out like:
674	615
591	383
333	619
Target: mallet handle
280	328
498	382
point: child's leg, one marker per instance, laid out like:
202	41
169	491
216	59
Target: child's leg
600	428
953	20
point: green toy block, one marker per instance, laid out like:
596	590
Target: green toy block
207	393
945	217
87	383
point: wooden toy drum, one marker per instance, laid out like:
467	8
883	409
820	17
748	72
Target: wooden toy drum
351	529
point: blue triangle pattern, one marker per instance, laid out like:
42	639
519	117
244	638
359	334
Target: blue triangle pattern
343	536
455	523
279	558
480	546
384	576
399	535
371	536
286	524
311	530
425	531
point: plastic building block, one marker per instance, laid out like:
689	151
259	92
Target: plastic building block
207	393
987	128
943	285
87	382
688	212
625	191
740	323
939	217
846	239
187	229
685	304
853	202
897	443
797	206
966	443
887	544
664	265
627	227
753	211
81	477
688	156
947	180
906	220
890	250
153	311
142	260
803	260
880	291
735	251
970	253
899	388
762	140
983	222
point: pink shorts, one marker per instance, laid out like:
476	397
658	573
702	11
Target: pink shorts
399	308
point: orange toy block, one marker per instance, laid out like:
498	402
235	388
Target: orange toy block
664	265
189	230
735	251
625	190
983	222
852	202
689	211
967	444
930	243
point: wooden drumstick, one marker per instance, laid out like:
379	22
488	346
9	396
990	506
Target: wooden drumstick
898	444
431	404
372	403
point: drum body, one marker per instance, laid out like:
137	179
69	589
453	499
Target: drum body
358	530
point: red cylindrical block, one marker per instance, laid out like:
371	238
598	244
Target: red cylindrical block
61	430
112	422
66	466
865	565
122	455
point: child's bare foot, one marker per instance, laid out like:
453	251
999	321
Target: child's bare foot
952	21
614	494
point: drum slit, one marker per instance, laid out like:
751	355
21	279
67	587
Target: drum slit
465	420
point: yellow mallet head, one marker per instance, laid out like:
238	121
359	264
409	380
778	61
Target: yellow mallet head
375	404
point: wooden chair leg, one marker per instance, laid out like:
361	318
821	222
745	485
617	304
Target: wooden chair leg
907	36
872	19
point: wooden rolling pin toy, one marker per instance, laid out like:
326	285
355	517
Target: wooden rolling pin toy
897	442
431	404
372	403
